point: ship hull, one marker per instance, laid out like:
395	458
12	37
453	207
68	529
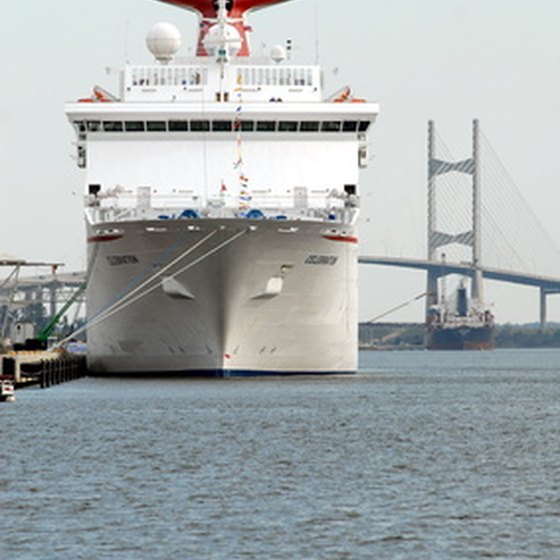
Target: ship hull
225	297
461	338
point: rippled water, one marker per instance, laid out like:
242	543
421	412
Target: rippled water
421	455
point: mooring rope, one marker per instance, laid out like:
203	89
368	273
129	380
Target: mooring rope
396	308
125	301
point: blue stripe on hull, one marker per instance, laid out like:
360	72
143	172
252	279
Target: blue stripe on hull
217	373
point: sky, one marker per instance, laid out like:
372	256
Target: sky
446	60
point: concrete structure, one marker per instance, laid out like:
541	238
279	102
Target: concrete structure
547	285
436	238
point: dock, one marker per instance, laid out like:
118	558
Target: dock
41	368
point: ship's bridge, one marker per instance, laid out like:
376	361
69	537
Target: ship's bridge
209	82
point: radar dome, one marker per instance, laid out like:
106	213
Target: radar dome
278	53
163	41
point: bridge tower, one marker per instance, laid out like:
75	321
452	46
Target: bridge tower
471	238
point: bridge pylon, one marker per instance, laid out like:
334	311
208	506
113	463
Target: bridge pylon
436	238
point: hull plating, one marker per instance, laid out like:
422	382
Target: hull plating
222	298
461	338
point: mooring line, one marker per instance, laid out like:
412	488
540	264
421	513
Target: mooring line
123	304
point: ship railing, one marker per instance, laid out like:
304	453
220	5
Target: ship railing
277	83
146	197
240	83
103	215
145	83
218	209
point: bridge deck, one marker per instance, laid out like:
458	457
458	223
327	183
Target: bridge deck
547	283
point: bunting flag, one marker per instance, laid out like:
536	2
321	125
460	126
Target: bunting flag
239	82
244	197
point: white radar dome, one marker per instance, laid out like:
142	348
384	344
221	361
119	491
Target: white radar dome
163	41
278	53
231	40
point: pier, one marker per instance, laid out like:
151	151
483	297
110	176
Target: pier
43	369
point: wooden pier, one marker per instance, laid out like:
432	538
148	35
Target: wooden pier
42	368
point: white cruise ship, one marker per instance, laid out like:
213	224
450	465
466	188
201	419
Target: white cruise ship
221	204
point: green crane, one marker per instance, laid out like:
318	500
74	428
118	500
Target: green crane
43	336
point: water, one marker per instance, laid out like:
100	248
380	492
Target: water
420	455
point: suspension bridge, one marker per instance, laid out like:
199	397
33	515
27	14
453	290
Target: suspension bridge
479	226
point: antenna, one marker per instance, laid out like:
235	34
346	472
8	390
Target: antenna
316	17
222	20
127	34
289	49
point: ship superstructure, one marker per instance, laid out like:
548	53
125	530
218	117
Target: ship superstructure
221	202
460	323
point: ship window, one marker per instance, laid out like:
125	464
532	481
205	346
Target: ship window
134	126
80	126
221	126
288	77
195	77
178	126
309	77
112	126
364	125
309	126
200	126
180	76
287	126
330	126
350	126
247	126
157	126
266	126
93	126
299	76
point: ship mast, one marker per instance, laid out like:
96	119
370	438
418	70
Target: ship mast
222	54
222	20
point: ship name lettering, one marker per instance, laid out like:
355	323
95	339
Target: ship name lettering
328	260
116	260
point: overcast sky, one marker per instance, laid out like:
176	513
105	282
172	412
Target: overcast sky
447	60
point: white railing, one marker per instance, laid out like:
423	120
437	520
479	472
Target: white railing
259	83
127	205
